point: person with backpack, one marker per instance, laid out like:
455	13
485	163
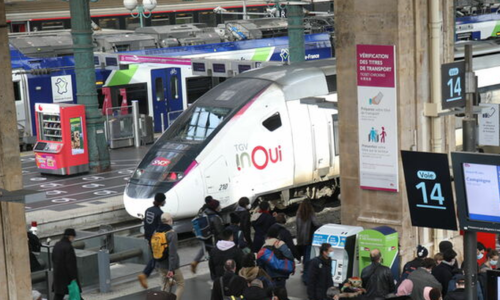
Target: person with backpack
422	278
276	258
251	271
224	250
164	245
229	284
152	219
416	263
209	211
285	235
242	211
238	237
256	291
261	220
320	274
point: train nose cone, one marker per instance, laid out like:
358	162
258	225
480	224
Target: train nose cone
172	203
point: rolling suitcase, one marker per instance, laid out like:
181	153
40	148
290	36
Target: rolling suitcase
161	295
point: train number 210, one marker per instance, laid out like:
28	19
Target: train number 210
223	187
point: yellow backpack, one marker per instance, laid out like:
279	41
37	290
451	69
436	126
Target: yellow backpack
159	244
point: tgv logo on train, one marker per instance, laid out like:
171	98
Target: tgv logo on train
259	156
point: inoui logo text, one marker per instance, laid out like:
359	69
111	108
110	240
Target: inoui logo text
258	157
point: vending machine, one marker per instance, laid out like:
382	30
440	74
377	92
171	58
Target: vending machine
344	257
61	147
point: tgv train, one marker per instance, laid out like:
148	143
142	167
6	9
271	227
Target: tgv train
270	132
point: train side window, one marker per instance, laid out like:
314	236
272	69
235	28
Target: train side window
174	87
160	96
273	122
17	91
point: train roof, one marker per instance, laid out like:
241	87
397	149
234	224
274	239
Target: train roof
301	80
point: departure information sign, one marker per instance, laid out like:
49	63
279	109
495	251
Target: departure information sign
453	84
428	186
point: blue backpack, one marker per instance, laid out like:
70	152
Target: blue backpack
202	227
272	257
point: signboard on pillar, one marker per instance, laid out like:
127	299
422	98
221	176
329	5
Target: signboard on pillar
428	187
453	84
377	117
489	123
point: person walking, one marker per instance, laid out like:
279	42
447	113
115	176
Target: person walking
151	221
229	284
377	279
168	266
423	278
320	274
238	236
306	224
261	222
281	251
64	264
285	235
242	211
211	208
251	271
459	292
224	250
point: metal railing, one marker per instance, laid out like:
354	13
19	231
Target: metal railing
104	259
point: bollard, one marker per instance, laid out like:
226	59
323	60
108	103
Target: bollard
49	275
104	271
137	131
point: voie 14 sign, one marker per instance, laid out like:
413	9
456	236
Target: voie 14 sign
428	186
453	84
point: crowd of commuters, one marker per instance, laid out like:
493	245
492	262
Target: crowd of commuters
257	267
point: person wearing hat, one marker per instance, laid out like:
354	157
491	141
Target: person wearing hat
261	220
211	209
64	264
152	219
411	266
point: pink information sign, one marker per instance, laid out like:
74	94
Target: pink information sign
377	117
375	64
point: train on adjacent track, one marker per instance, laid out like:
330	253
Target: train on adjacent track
268	132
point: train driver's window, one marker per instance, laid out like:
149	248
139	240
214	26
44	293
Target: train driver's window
273	122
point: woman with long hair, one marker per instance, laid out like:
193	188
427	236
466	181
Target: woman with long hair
306	225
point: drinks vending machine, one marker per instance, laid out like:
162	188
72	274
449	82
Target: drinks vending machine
61	147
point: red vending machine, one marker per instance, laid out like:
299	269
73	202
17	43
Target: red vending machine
61	147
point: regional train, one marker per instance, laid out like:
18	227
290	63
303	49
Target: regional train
270	132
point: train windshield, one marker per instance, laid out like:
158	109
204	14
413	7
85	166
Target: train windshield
202	123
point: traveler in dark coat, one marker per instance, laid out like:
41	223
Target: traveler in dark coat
211	209
414	264
256	291
459	292
306	223
233	284
238	236
377	279
444	271
224	250
151	221
261	222
64	263
242	210
320	274
423	278
34	245
285	235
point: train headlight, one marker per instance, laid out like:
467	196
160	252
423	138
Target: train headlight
138	173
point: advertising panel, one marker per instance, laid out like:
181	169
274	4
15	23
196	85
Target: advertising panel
377	117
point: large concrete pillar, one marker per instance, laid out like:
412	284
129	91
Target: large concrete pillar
15	280
404	24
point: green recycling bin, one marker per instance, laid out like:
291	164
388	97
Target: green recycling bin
383	238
